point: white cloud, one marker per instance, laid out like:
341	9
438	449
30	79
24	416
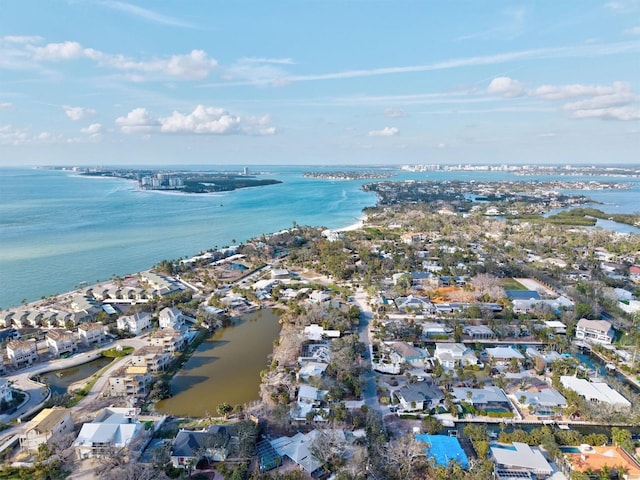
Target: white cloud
564	92
93	129
613	113
202	120
602	101
137	120
78	113
258	71
146	14
395	112
385	132
10	135
6	106
547	135
622	6
21	39
505	86
54	52
632	31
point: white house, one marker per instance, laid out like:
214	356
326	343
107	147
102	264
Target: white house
173	318
6	394
135	323
114	428
451	354
60	342
595	331
91	333
22	352
594	391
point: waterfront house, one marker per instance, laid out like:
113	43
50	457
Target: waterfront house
419	396
488	398
595	331
22	352
5	318
171	341
598	392
504	355
519	458
113	429
317	332
84	307
61	342
130	381
596	460
49	423
34	318
311	370
155	359
309	400
452	354
6	393
91	333
543	402
160	285
135	323
173	318
190	446
315	352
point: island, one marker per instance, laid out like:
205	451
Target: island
349	175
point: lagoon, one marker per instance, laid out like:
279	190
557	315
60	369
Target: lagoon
225	368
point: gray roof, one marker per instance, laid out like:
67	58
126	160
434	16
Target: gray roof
420	392
481	395
549	397
521	457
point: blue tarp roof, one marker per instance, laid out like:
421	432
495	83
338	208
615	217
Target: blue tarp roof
444	449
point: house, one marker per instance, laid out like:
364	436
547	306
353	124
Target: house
299	449
189	446
155	359
85	306
522	294
173	318
414	304
135	323
634	273
598	392
22	352
436	330
542	402
113	429
319	297
50	422
520	457
171	341
315	352
482	398
91	333
130	381
407	353
280	274
317	332
419	396
479	332
595	331
594	460
312	370
452	354
309	400
504	355
6	393
160	285
61	342
443	450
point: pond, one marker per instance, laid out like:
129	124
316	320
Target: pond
224	368
59	380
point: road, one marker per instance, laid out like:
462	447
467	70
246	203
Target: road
366	316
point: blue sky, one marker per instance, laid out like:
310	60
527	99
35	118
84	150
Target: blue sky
319	82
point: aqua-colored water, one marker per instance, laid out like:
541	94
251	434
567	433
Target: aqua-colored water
58	229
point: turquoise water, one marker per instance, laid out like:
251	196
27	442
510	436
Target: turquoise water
58	229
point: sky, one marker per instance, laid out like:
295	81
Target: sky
350	82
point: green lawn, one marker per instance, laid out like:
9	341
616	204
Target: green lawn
511	284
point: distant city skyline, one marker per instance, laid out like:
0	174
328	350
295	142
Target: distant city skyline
108	82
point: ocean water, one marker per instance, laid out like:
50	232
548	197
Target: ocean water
58	229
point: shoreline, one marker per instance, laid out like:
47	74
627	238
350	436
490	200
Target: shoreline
354	226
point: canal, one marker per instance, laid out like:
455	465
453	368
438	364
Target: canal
59	380
225	368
